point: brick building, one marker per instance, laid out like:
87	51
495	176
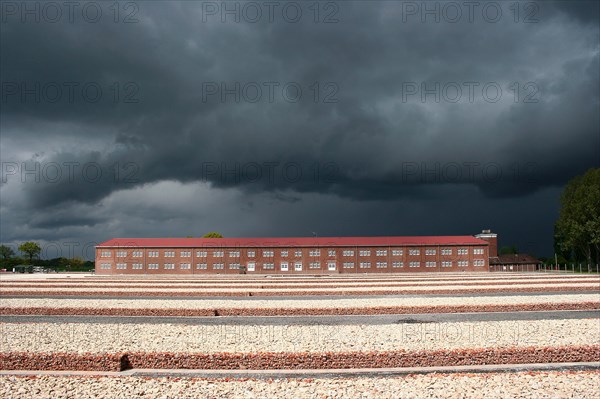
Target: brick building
290	256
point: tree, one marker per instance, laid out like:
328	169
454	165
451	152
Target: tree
31	249
509	250
578	225
212	234
6	252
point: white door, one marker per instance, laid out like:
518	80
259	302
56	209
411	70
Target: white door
298	266
251	266
331	266
284	267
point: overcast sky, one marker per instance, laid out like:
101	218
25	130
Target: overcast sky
166	119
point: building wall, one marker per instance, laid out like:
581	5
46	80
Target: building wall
300	260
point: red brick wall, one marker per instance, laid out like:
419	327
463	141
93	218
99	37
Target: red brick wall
305	258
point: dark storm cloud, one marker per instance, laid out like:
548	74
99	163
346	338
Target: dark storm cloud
366	137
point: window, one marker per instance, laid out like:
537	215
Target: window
414	264
218	266
330	266
169	254
153	254
348	253
234	266
397	264
284	266
284	254
251	266
298	266
185	266
430	264
331	253
381	252
348	265
137	266
268	254
314	265
169	266
478	251
365	265
201	266
269	266
314	252
430	251
121	265
447	251
234	254
121	254
397	252
298	254
364	252
106	254
218	254
463	263
185	254
137	254
462	251
201	254
479	262
152	266
105	266
446	263
251	254
381	265
414	252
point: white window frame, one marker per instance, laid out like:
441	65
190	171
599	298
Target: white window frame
251	266
298	266
201	266
284	266
105	266
381	252
348	252
397	252
348	265
414	252
121	266
284	254
105	254
397	264
169	266
331	266
201	254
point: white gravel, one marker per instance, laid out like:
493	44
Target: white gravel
274	284
110	338
146	291
581	384
133	303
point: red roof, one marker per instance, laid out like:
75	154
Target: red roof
292	241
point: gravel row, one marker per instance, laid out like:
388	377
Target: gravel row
245	338
296	361
271	293
277	303
287	284
295	311
454	287
541	385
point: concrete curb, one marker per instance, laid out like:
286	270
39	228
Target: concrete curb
315	373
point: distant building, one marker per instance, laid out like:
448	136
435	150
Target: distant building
514	263
290	256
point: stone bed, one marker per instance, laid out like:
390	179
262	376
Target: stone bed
541	385
280	303
291	337
279	361
80	311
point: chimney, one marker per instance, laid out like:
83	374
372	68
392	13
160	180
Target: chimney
492	239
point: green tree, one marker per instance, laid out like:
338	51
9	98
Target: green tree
6	252
30	249
212	234
509	250
578	225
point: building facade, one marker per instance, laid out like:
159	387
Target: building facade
292	256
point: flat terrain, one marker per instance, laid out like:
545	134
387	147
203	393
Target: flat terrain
430	325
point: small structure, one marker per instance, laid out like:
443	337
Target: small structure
514	263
